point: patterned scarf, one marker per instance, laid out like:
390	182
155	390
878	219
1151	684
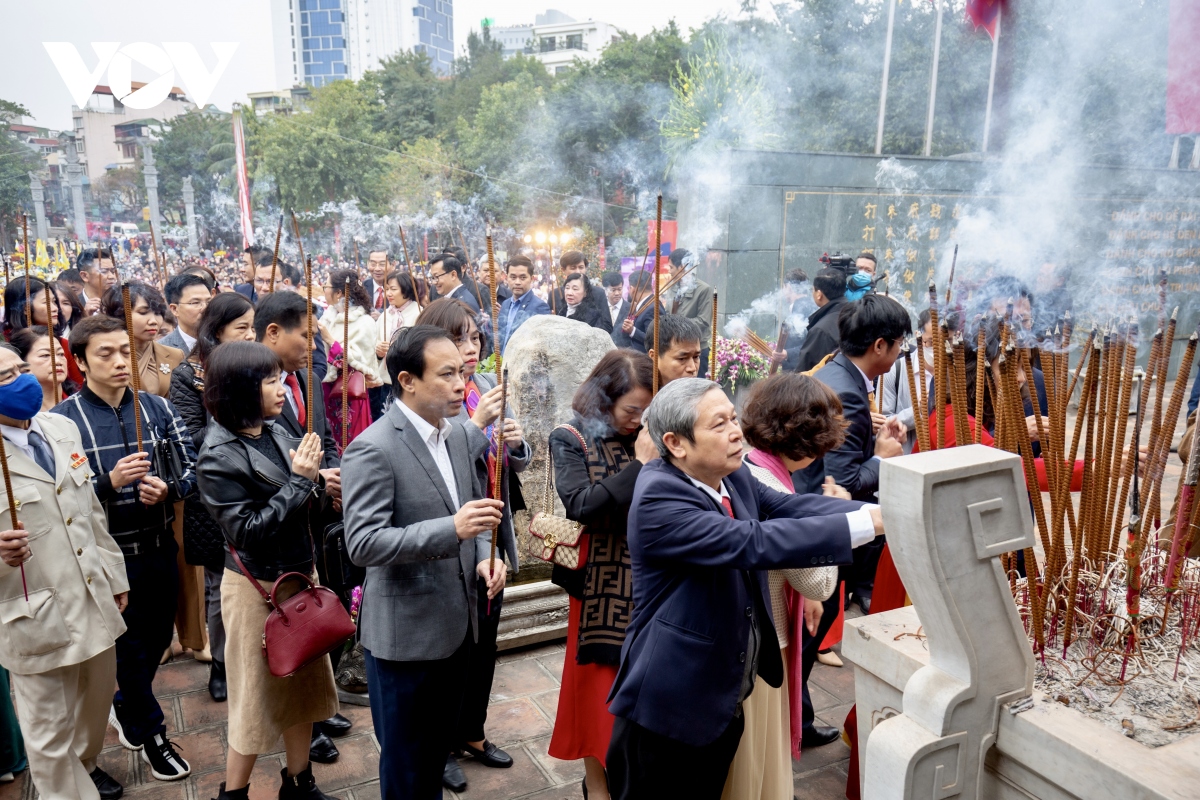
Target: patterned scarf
608	578
472	402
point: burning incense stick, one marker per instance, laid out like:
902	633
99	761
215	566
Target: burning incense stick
308	400
950	283
53	343
918	411
780	343
300	248
345	360
980	380
657	286
498	464
712	350
135	378
939	386
275	255
12	508
491	254
28	262
408	266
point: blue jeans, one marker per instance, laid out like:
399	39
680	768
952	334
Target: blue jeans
149	619
414	707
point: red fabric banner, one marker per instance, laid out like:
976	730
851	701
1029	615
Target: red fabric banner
983	14
1183	68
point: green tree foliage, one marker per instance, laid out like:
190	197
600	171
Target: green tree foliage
16	162
200	144
330	154
405	90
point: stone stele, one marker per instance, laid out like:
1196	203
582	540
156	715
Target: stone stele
547	359
943	700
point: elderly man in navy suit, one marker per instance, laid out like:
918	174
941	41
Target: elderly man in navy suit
701	530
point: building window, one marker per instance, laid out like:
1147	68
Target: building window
547	44
574	41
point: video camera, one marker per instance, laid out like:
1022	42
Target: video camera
838	261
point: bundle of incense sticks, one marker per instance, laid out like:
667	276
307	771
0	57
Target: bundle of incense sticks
939	382
275	255
670	284
498	464
920	418
780	343
765	348
134	377
408	266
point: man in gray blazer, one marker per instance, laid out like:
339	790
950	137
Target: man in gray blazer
417	519
692	297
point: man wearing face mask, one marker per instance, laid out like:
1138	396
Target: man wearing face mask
58	644
139	503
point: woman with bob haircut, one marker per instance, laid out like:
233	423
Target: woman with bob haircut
595	484
790	420
228	318
156	361
257	483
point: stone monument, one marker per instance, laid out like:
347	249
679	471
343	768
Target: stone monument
546	359
39	204
189	209
945	702
150	171
75	179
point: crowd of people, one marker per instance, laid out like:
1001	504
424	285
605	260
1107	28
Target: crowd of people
721	549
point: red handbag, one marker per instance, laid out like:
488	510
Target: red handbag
358	385
302	628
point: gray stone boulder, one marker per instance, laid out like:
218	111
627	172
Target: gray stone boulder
546	359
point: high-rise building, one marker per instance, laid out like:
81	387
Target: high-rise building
319	41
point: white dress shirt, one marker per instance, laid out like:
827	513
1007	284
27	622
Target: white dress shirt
20	437
613	311
190	341
435	440
862	527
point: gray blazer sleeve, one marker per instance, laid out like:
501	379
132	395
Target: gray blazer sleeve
370	492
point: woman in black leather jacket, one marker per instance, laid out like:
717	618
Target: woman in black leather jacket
228	318
258	483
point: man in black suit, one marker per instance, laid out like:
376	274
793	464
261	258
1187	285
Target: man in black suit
377	266
871	331
446	275
616	305
635	333
829	290
253	257
280	323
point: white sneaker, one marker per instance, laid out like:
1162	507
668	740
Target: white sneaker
164	760
112	720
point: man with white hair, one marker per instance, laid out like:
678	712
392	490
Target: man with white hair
701	530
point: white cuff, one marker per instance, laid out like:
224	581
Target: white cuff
862	527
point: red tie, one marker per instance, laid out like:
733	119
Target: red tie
379	297
728	506
294	385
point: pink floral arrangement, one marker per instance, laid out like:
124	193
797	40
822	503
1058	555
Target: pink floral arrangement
738	364
356	595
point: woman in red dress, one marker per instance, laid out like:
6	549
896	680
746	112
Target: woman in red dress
597	458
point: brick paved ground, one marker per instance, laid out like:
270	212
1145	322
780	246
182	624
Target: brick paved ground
524	700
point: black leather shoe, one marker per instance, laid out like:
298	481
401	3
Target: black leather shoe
322	749
864	602
490	755
218	689
452	776
106	784
336	726
818	735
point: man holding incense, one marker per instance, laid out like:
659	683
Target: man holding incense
681	343
701	530
99	274
138	498
636	331
60	654
417	519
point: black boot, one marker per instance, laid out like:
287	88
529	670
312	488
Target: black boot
300	787
217	687
322	749
236	794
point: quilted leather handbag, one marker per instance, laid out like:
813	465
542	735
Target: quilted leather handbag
552	538
302	628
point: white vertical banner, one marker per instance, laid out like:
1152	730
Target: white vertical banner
243	182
